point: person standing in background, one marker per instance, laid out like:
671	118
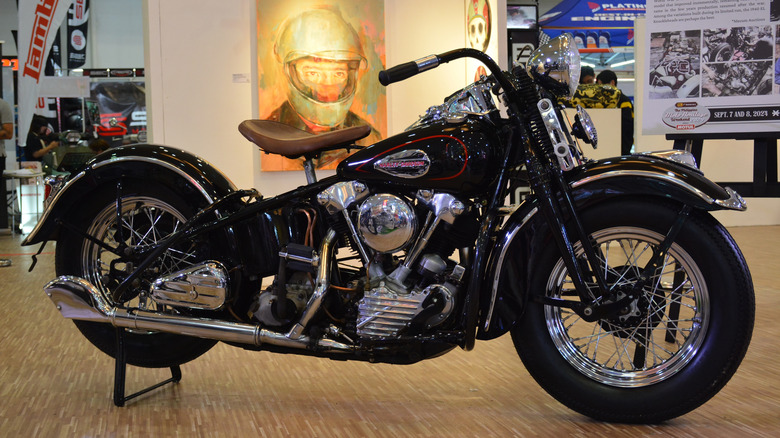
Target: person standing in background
587	75
39	139
608	77
6	133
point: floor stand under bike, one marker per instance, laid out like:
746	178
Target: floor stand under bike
120	373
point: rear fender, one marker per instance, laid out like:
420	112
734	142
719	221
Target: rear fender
179	170
525	231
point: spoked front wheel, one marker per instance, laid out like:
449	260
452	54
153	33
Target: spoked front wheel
665	351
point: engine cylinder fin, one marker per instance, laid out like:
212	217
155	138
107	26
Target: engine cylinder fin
384	313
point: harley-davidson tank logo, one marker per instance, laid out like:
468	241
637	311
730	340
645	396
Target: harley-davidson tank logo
412	163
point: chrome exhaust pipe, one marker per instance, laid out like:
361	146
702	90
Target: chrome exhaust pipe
71	296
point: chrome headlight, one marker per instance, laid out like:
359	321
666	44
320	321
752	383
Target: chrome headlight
558	59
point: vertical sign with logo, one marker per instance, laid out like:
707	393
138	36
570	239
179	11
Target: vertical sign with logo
78	15
54	61
38	22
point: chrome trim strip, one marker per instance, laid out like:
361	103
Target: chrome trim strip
642	173
161	163
499	266
678	156
63	189
49	205
427	63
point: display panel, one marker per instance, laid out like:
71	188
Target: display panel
711	69
520	17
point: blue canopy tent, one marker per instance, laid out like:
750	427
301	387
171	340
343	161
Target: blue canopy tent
600	29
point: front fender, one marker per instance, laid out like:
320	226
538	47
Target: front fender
175	168
525	231
651	175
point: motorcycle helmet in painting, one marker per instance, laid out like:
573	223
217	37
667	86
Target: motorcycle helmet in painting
321	56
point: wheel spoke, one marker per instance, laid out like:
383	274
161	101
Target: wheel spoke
654	336
145	221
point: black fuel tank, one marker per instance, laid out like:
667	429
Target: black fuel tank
462	157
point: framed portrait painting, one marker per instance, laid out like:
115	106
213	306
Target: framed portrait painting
317	66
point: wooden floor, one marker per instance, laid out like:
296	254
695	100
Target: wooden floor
53	383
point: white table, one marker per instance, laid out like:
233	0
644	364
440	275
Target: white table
30	202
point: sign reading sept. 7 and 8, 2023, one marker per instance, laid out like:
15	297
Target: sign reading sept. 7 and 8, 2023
712	67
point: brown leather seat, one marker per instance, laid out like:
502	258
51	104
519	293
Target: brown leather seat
278	138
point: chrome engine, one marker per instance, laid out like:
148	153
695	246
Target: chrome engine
419	293
386	223
406	297
389	308
203	286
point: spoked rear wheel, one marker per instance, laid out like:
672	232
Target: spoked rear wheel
666	351
149	213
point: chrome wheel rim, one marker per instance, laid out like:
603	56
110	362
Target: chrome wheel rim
653	341
144	222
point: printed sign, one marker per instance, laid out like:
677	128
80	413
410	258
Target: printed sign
712	67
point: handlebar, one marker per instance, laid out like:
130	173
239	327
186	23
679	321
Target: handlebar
408	69
412	68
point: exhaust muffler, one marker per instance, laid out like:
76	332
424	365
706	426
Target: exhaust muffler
71	295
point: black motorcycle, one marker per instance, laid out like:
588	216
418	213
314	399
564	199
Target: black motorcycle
626	300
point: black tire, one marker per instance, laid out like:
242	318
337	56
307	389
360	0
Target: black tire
79	257
764	88
599	369
722	53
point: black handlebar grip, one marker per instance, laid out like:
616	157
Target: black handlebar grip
398	73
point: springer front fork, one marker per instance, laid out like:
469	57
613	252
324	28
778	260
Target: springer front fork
567	228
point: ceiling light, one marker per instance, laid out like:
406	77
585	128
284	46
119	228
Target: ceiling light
620	64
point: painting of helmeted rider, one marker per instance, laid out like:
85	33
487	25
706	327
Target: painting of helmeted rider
315	61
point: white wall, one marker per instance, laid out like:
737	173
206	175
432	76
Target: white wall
116	37
411	36
193	49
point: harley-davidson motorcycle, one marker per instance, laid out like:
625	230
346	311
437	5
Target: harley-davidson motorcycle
625	299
